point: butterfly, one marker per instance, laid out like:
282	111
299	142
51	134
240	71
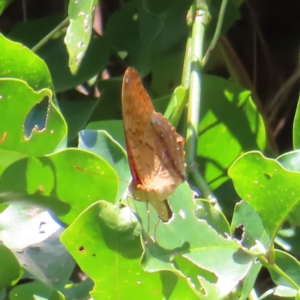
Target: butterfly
155	150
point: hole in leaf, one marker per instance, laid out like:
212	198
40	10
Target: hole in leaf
37	118
238	232
41	227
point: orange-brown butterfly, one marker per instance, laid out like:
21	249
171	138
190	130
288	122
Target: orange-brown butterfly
155	150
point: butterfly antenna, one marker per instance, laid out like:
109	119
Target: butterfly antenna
128	203
158	221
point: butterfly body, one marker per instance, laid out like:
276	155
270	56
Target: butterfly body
155	150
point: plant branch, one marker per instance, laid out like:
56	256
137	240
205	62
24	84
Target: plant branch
195	81
197	19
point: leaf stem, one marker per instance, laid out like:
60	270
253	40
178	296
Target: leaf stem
276	269
50	35
217	32
185	81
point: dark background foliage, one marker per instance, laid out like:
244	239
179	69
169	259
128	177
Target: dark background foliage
266	39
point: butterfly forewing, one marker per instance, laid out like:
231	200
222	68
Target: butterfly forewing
155	150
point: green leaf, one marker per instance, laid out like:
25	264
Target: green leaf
114	128
121	29
213	216
33	290
79	31
258	180
291	161
48	261
107	266
285	292
78	290
10	271
249	281
76	109
289	238
194	240
65	182
253	229
7	157
229	126
21	226
28	67
55	55
296	128
171	15
109	106
109	252
33	235
32	32
290	268
102	144
3	5
161	104
146	29
166	71
176	106
124	33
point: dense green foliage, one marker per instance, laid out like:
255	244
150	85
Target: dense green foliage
64	170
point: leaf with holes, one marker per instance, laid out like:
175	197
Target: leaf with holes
258	180
79	31
32	126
